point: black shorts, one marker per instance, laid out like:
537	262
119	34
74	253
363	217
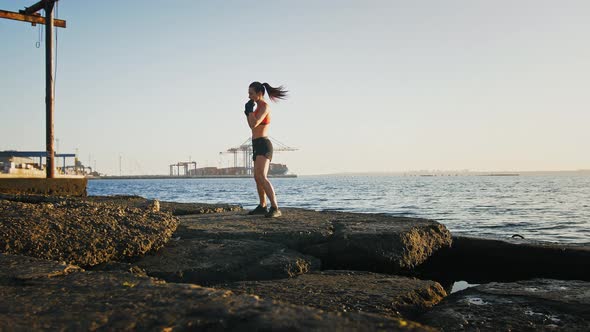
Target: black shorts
261	146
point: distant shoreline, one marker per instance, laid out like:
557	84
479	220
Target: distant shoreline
168	177
458	173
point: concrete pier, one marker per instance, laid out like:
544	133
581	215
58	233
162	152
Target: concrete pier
70	186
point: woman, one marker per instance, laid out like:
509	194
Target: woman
259	121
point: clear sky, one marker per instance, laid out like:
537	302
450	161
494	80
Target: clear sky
375	85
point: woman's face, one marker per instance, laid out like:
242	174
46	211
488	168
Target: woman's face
253	95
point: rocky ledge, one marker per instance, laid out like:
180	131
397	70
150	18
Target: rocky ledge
43	295
81	232
368	242
304	271
531	305
350	291
175	208
210	261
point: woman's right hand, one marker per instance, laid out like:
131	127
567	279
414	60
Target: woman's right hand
249	107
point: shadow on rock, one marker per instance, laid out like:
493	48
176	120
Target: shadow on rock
533	305
56	299
210	261
350	291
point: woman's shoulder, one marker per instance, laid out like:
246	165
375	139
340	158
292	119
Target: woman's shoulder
263	106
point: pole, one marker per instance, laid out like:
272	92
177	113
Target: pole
49	101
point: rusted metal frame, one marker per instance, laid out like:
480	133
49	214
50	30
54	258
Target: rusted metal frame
33	19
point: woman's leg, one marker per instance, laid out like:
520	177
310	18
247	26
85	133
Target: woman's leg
261	166
260	189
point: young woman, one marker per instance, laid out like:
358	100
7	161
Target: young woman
259	122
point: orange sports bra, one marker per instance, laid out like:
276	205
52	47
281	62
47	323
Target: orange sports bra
266	119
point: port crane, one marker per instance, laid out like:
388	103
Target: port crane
245	149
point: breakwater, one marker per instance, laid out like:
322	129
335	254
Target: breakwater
180	266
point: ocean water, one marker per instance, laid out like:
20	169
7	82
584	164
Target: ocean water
548	208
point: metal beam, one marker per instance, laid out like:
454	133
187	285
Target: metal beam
33	154
30	18
34	8
49	98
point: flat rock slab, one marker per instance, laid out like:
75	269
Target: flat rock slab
349	291
16	269
210	261
81	232
177	209
371	242
117	301
534	305
297	229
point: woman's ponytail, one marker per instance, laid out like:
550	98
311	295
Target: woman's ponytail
273	93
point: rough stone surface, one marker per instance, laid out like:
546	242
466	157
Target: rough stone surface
80	232
119	267
349	291
296	229
211	261
177	209
376	242
371	242
116	301
139	202
534	305
16	269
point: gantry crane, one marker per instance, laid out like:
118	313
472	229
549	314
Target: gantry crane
246	150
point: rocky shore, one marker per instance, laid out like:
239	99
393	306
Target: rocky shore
128	263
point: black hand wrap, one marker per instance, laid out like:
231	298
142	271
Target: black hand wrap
249	107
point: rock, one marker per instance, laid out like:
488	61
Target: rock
297	229
81	232
349	291
479	260
211	261
380	243
17	269
177	209
119	267
153	205
372	242
533	305
124	302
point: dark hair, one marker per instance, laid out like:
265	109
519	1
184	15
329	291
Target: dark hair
273	93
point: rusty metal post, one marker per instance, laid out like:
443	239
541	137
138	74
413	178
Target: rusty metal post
49	101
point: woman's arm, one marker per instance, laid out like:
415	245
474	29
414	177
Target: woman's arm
255	120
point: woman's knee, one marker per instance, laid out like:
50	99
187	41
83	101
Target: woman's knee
260	178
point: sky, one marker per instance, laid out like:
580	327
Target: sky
375	86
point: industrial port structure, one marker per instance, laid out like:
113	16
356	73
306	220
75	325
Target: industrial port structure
245	149
242	152
22	163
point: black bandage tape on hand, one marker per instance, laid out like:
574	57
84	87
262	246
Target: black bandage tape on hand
249	107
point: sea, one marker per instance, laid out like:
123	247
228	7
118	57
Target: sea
554	208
